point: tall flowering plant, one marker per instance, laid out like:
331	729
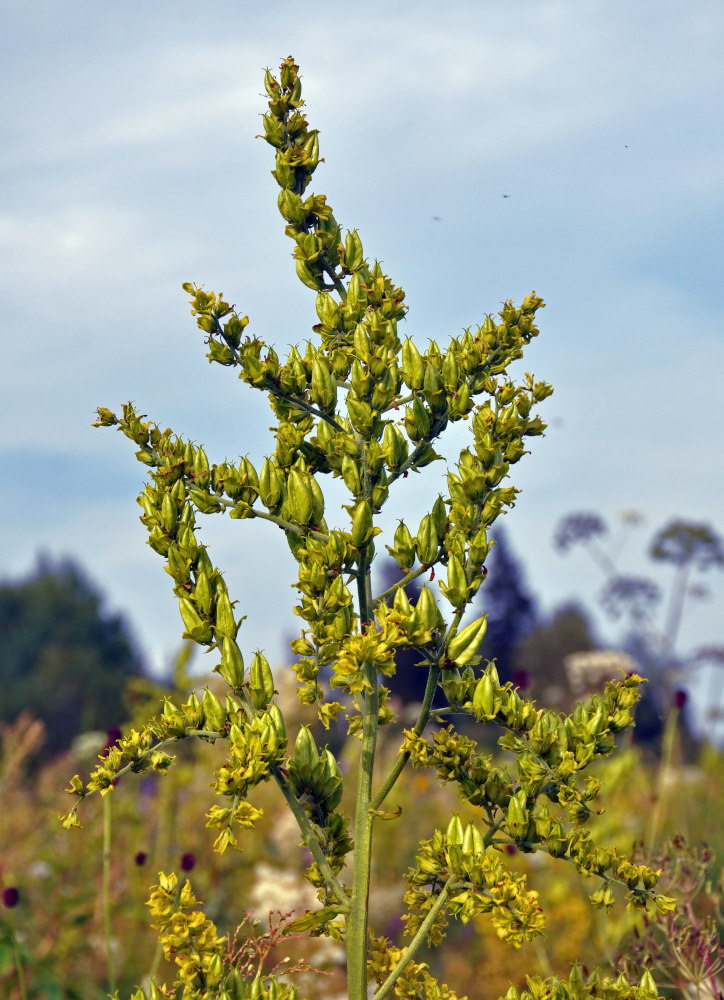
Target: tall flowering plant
362	404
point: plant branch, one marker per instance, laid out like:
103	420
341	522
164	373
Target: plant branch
422	720
416	943
310	840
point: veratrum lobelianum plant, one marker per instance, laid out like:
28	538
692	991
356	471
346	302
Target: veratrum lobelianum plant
361	404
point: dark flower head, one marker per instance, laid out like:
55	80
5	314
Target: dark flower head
188	861
680	698
140	858
113	736
521	679
10	897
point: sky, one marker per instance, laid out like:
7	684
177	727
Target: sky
130	165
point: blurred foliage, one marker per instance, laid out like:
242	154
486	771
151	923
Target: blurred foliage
652	608
55	636
156	824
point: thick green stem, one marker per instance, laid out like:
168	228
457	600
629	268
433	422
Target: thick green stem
107	816
363	819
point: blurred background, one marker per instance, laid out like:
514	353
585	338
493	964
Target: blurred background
573	147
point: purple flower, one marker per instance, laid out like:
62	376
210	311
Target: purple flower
113	736
521	679
680	698
188	861
10	897
511	849
140	858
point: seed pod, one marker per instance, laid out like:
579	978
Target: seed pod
323	387
169	514
277	720
305	750
201	474
353	254
350	474
427	612
450	374
232	663
361	524
300	500
463	647
454	832
394	447
432	388
214	714
417	420
225	623
198	629
261	682
270	484
361	342
360	414
457	585
307	276
413	367
426	543
517	815
485	703
327	309
404	550
178	567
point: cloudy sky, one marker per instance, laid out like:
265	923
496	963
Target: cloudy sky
130	164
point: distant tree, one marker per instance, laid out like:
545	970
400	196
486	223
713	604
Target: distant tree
652	610
539	659
509	604
62	656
